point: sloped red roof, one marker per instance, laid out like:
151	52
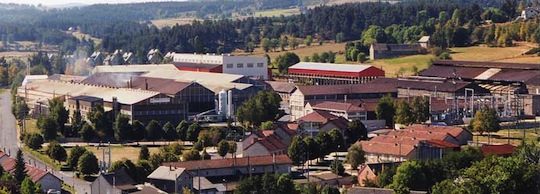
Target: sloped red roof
271	143
452	130
9	164
499	150
441	144
33	172
318	116
338	106
2	154
232	162
387	148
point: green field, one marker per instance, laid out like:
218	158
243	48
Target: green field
277	12
512	136
403	65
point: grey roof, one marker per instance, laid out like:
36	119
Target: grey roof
166	173
330	67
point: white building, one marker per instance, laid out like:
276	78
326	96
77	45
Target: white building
255	67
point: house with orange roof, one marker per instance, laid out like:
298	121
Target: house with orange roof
48	181
268	142
319	121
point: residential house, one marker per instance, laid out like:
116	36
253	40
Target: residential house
203	186
370	172
115	182
283	89
319	121
48	181
170	179
346	110
529	13
424	42
268	142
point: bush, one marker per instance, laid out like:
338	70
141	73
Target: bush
33	141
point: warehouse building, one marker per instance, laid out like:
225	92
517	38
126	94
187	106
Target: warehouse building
253	67
312	73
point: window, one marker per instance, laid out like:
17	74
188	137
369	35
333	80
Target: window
260	64
229	65
240	65
250	65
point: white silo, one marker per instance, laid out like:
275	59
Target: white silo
222	103
230	109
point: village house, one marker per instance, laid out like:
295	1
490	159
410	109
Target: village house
115	182
320	121
268	142
283	89
370	172
48	181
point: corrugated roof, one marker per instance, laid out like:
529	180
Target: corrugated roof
330	67
165	86
337	106
348	89
111	79
58	88
231	162
283	87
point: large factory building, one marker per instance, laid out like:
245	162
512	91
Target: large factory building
332	74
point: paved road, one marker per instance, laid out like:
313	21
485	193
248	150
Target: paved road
10	144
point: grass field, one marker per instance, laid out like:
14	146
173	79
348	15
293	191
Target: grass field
40	155
31	126
16	54
160	23
403	65
120	152
483	53
277	12
79	35
512	136
302	51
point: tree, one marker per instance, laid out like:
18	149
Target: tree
170	131
362	57
232	148
74	154
205	155
144	153
409	175
339	37
34	141
56	152
223	148
20	167
283	62
374	34
308	40
122	128
404	114
266	44
190	155
28	187
329	190
76	121
312	148
420	109
385	110
274	43
485	120
283	42
181	130
21	110
356	130
324	141
193	132
337	139
297	150
87	132
285	184
101	122
337	167
48	128
88	164
58	113
138	131
262	107
267	125
293	43
153	131
355	156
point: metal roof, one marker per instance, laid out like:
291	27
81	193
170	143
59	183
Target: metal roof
331	67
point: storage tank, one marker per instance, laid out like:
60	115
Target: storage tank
230	109
222	103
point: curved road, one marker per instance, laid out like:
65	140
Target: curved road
9	144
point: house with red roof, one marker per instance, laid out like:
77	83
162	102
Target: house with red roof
47	180
319	121
498	150
268	142
414	142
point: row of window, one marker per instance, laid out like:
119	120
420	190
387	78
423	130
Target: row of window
241	65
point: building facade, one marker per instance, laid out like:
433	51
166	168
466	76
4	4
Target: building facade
254	67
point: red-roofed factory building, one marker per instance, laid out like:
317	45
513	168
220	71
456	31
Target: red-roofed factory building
332	74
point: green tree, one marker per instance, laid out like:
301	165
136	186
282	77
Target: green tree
122	128
190	155
88	164
170	131
385	110
153	131
262	107
409	175
420	109
33	141
56	152
285	185
223	148
48	128
329	190
76	121
87	132
355	156
144	153
181	130
27	186
293	43
138	131
21	110
266	44
373	34
337	139
356	130
324	141
20	167
337	167
283	62
404	115
297	150
101	122
74	154
386	176
232	148
58	113
485	120
312	148
267	125
274	43
308	40
362	57
283	42
193	132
